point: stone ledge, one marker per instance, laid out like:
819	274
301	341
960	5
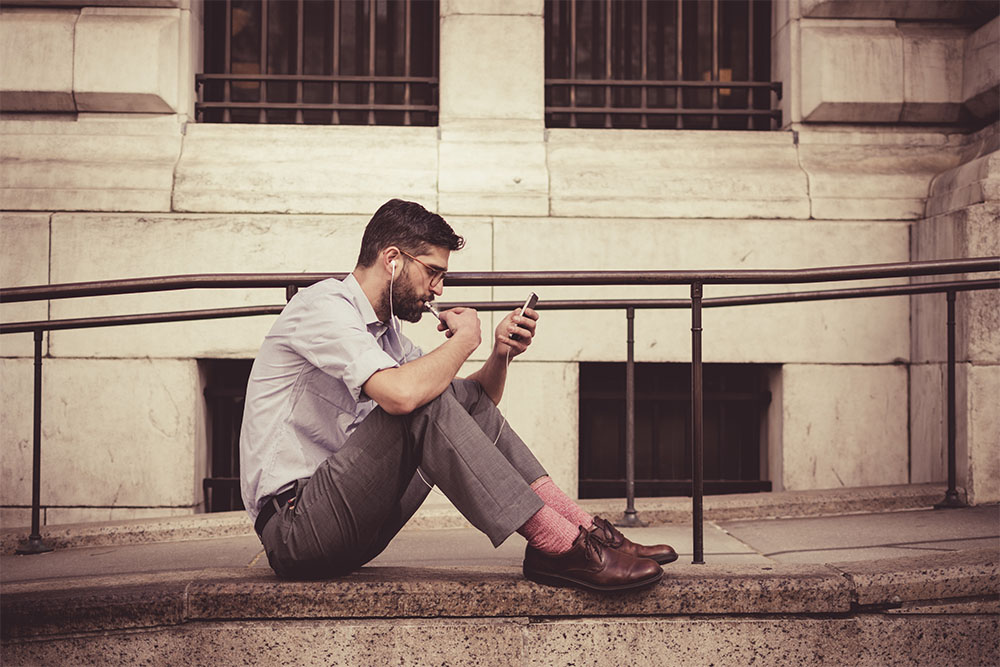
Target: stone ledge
944	575
335	169
139	531
780	504
164	4
90	604
94	165
393	592
906	10
675	174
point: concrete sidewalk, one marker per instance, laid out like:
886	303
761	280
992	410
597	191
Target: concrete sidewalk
825	539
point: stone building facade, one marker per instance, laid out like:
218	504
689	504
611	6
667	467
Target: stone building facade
887	151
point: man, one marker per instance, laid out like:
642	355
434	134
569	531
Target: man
347	425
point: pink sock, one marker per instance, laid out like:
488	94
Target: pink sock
554	497
549	532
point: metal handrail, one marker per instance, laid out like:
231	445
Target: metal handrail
556	304
696	279
513	278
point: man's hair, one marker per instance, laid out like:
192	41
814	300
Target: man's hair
409	226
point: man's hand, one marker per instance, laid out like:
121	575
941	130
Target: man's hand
462	323
493	375
515	323
402	390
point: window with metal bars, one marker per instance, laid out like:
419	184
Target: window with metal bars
735	426
322	62
225	393
659	64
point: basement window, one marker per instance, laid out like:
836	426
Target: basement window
735	426
225	393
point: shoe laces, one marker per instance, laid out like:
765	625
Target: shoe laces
593	544
608	534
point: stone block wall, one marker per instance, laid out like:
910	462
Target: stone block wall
864	61
125	57
963	219
129	186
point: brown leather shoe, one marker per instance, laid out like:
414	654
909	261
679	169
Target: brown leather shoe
590	565
610	536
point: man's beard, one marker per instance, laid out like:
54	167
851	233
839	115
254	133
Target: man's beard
406	304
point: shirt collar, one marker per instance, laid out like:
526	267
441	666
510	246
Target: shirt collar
371	320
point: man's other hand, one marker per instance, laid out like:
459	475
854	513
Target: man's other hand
515	323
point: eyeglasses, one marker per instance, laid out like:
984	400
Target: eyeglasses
436	274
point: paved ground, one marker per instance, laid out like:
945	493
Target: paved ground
870	536
798	540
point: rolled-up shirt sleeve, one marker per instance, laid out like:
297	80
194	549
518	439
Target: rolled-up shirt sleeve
333	337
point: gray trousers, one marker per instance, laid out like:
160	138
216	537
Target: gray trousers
360	498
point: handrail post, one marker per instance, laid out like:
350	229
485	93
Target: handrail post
631	516
951	498
697	434
290	291
34	543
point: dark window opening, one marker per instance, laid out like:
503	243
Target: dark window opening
670	64
225	394
735	408
320	62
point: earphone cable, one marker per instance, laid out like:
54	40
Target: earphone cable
392	317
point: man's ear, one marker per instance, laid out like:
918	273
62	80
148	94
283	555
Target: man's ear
391	257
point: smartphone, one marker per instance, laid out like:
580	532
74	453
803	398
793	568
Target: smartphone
528	303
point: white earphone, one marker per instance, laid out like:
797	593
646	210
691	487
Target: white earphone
392	279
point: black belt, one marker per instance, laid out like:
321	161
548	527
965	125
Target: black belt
270	508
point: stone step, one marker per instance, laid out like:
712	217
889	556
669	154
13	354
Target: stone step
939	608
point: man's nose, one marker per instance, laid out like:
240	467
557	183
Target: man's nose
438	289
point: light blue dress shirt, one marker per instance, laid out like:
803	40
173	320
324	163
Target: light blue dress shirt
304	397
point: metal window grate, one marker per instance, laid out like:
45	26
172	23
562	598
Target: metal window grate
736	400
225	394
323	62
659	64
